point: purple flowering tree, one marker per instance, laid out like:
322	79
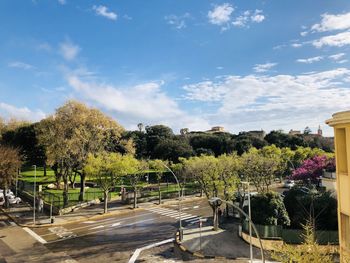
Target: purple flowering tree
311	169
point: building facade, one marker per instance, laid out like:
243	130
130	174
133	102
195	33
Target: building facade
341	124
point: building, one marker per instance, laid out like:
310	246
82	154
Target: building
292	132
216	129
341	124
257	134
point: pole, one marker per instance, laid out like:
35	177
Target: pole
51	211
17	180
250	226
180	208
34	201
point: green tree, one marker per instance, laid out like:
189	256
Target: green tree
10	162
159	168
71	134
172	149
259	170
107	168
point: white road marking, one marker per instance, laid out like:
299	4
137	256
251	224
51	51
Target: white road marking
98	231
139	250
188	217
193	219
35	235
116	224
104	221
97	227
195	207
89	222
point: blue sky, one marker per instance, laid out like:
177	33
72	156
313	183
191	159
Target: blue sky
245	65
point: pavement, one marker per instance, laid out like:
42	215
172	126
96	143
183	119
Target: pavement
218	243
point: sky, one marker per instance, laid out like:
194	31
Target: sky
243	65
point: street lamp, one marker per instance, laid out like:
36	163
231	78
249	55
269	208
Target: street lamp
180	197
215	202
250	224
34	201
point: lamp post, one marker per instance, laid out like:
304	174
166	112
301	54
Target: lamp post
216	199
180	197
34	201
250	224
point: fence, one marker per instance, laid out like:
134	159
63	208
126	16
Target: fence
291	236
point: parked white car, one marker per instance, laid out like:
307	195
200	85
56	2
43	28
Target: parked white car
289	184
14	200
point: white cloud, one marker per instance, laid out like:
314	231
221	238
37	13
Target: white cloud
264	67
337	40
221	14
9	111
304	33
178	22
296	45
20	65
337	56
309	60
257	17
69	50
145	103
342	61
274	102
102	10
62	2
44	46
332	22
247	17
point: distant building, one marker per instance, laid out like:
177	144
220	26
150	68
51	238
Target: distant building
319	131
292	132
257	134
216	129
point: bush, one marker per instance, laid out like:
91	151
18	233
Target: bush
268	209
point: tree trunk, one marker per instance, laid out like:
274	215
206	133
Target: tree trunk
215	218
82	186
135	197
45	172
105	201
159	193
65	191
7	202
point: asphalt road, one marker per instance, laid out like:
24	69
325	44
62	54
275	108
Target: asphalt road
117	237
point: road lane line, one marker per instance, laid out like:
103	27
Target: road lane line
188	217
89	222
139	250
102	222
116	224
98	231
193	219
35	235
97	227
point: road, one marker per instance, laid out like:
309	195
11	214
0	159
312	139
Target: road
117	236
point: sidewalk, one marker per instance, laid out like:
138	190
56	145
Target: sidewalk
22	214
226	244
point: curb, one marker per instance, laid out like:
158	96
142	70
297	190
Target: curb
197	254
96	216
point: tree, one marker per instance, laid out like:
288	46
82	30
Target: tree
209	173
307	130
106	168
259	170
311	169
308	252
10	162
71	134
136	170
268	209
154	135
140	126
172	149
158	167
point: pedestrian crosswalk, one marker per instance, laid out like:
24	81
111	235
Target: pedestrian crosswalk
186	217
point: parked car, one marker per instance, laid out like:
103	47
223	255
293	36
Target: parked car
2	201
288	184
14	200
